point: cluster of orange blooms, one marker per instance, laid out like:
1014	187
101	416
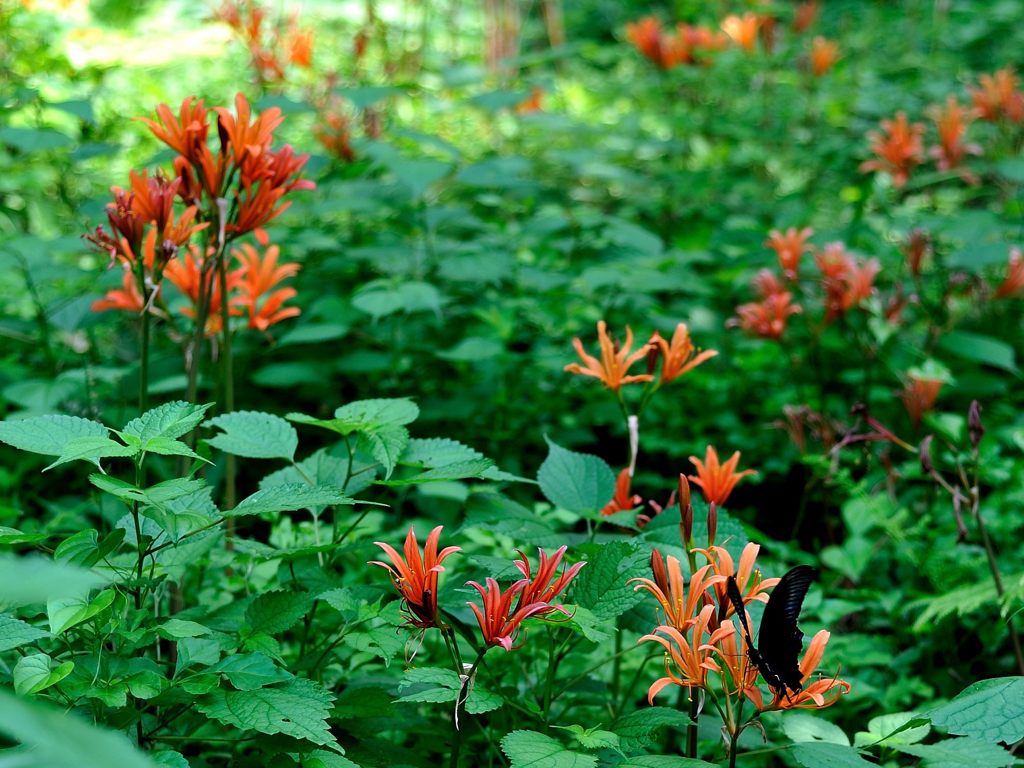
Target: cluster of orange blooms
224	194
899	146
270	50
694	44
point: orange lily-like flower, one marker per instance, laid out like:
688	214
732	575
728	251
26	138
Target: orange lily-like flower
258	276
415	577
742	29
729	648
805	15
678	356
646	35
748	578
334	133
614	365
823	692
126	299
789	247
824	54
532	103
952	123
767	318
1013	284
300	47
767	284
687	659
245	138
716	480
499	624
623	500
188	275
185	134
997	97
860	281
919	396
679	605
544	587
898	149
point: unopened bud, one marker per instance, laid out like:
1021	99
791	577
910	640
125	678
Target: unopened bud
974	426
712	523
924	452
658	570
685	512
653	353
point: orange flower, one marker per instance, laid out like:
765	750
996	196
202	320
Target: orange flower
531	103
258	276
687	661
789	247
748	579
952	124
188	275
716	480
919	396
846	280
823	692
679	605
334	134
615	362
499	624
898	149
539	588
742	29
918	246
622	500
1013	284
127	298
860	279
742	674
245	138
805	15
824	53
646	35
415	577
185	134
997	96
767	284
300	47
767	318
678	356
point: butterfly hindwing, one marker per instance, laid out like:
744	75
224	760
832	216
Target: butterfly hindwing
779	639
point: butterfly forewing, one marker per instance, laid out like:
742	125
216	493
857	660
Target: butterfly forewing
779	639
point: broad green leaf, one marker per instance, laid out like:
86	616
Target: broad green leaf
640	729
38	672
67	612
58	740
14	536
592	738
990	710
386	445
176	514
277	611
475	468
299	709
84	548
576	482
92	449
27	139
601	586
15	633
289	498
529	749
800	727
254	435
251	671
896	728
664	761
30	580
313	333
168	446
959	753
434	452
980	349
169	759
320	758
814	754
48	434
365	415
177	629
170	421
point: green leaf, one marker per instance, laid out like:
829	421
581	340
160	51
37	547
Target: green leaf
169	759
434	452
85	549
664	761
640	729
320	758
168	446
179	507
592	738
814	754
48	434
61	740
251	671
576	482
896	728
529	749
176	629
959	753
475	468
386	445
171	421
800	727
15	633
365	415
289	498
991	710
67	612
980	349
254	435
277	611
37	673
299	709
601	586
92	449
31	580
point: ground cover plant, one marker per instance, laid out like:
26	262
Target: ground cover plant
512	384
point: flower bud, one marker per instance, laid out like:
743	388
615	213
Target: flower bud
712	523
685	512
924	452
974	426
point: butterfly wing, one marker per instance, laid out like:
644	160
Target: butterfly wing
779	640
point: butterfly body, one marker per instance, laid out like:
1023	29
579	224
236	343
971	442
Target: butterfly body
779	639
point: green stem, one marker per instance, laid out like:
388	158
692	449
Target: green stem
143	340
141	563
691	728
228	383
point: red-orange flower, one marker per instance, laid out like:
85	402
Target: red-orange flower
805	15
918	246
499	624
1013	284
623	500
334	133
742	29
532	103
898	149
997	96
919	396
245	138
415	577
646	35
185	134
678	604
188	275
127	298
952	123
824	53
544	587
767	318
258	276
687	658
752	587
300	47
846	280
716	480
615	362
823	692
678	356
860	280
789	247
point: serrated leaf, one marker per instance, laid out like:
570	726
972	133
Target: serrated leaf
15	633
168	446
277	611
592	738
320	758
475	468
386	445
601	586
365	415
289	498
800	727
640	728
38	672
29	580
251	671
434	452
814	754
92	448
959	753
576	482
254	435
299	709
990	710
664	761
48	434
529	749
169	759
176	514
170	420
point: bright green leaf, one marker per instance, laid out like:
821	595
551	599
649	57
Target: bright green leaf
576	482
254	435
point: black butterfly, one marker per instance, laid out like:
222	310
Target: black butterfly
779	640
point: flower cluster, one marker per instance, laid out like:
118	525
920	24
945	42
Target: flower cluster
667	49
270	50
